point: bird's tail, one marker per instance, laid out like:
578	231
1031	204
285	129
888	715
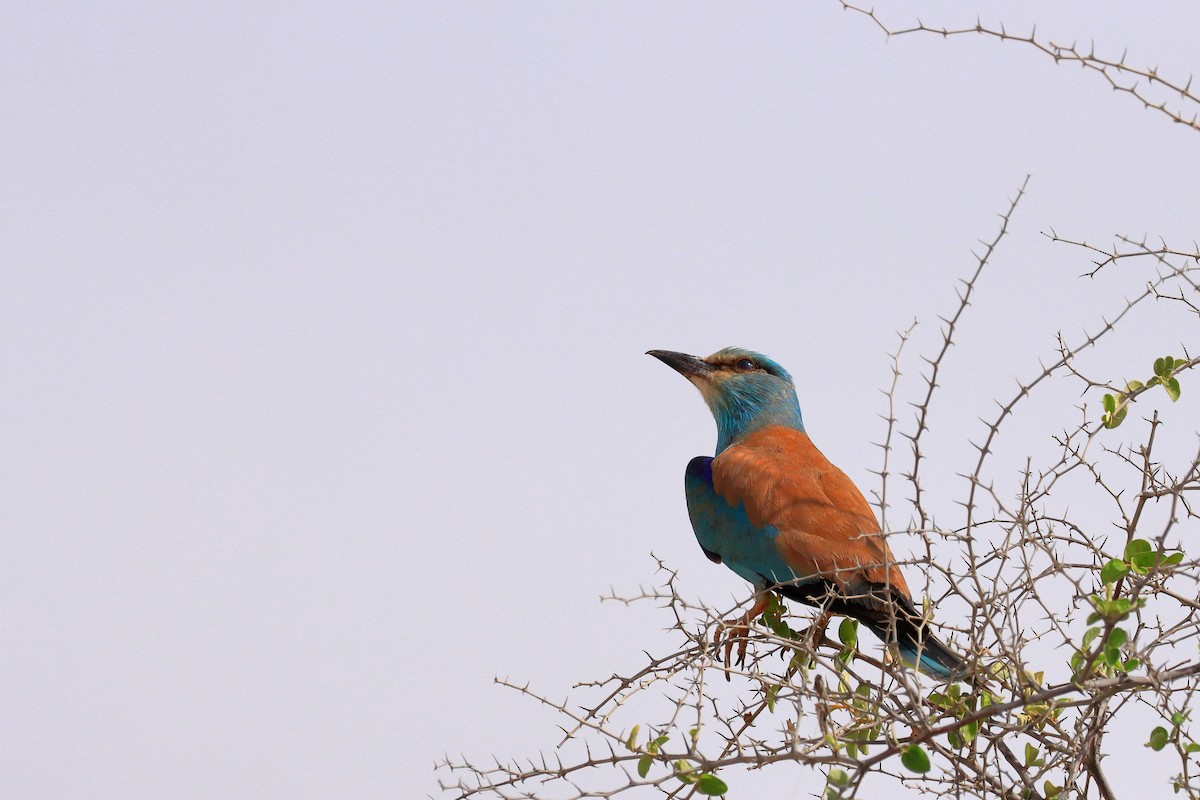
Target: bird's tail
890	616
922	650
898	623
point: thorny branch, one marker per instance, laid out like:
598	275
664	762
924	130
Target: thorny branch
1081	597
935	364
884	472
1047	593
1183	105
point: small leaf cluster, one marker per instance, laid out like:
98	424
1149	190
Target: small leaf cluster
865	727
1035	760
706	783
1108	659
961	706
772	617
648	753
1104	639
1117	406
1140	558
1100	651
1160	737
1037	715
862	728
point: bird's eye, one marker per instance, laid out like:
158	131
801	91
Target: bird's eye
745	364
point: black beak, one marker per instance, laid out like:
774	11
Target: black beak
685	365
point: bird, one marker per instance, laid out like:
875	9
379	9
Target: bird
772	508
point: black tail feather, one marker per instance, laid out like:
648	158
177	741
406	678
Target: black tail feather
891	617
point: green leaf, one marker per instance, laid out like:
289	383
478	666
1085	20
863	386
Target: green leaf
631	742
1032	757
848	632
1133	386
1172	387
1113	570
1143	562
1115	417
685	771
1191	747
1051	791
1118	637
644	765
1112	656
778	627
1173	559
839	777
711	785
915	759
1110	403
1130	665
1158	738
1160	365
1137	546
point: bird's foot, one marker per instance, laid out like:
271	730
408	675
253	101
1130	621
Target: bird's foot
737	632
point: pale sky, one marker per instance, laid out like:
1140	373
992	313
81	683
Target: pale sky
323	334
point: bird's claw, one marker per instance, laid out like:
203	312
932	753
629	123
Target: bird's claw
737	632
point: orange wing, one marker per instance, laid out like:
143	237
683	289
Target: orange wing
825	525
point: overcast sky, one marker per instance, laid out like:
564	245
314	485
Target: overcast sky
322	332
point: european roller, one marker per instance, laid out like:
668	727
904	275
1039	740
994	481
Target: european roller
774	510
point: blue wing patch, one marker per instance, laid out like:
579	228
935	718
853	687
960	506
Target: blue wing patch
908	656
726	534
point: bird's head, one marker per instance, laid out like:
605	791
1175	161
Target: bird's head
744	390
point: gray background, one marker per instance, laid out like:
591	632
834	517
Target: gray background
322	330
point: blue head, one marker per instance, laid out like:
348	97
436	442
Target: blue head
744	390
